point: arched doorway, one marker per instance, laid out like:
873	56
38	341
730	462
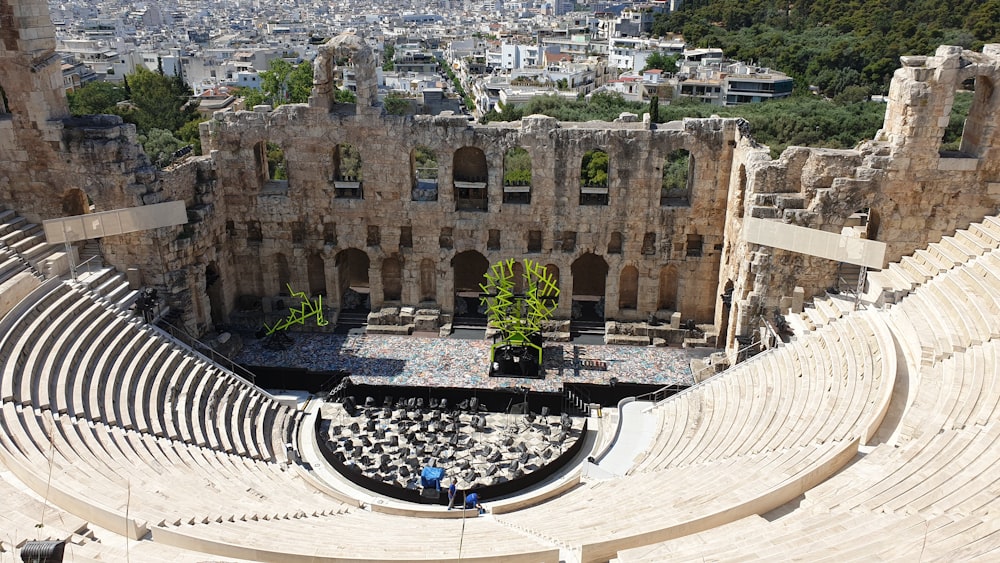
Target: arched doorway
468	268
75	202
216	300
590	273
392	279
352	274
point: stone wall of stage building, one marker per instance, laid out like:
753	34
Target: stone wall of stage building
302	217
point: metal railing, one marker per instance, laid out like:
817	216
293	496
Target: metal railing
196	345
660	395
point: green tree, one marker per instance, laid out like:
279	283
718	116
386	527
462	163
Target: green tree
517	167
594	168
282	83
663	62
396	104
158	101
96	98
654	109
160	145
387	57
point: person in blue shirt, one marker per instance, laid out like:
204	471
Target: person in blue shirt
452	491
472	501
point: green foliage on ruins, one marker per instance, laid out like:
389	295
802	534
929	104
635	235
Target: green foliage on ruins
396	104
594	168
160	145
600	107
833	44
805	120
282	83
159	106
675	173
425	163
517	167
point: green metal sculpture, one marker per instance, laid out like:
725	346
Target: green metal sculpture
307	309
518	316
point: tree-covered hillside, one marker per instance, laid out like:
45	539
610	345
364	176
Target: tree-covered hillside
833	44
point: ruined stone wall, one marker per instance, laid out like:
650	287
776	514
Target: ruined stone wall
303	217
915	192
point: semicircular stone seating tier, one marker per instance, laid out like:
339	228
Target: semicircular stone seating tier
928	489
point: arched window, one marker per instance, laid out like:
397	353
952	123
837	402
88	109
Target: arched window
272	167
517	176
347	172
675	189
594	178
424	174
469	177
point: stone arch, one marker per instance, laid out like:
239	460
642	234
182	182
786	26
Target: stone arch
468	269
316	271
667	294
75	202
424	173
628	288
392	279
345	62
428	280
282	272
982	116
678	173
347	171
214	289
590	273
517	176
469	176
594	177
352	267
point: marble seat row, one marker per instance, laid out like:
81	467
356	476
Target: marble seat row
359	535
930	490
829	385
644	508
74	355
155	479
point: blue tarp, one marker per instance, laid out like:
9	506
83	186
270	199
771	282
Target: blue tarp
431	477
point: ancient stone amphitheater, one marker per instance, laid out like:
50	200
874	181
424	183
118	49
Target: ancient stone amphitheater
872	434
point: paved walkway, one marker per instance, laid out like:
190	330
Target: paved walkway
450	362
638	429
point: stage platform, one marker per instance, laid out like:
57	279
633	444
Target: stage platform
452	362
